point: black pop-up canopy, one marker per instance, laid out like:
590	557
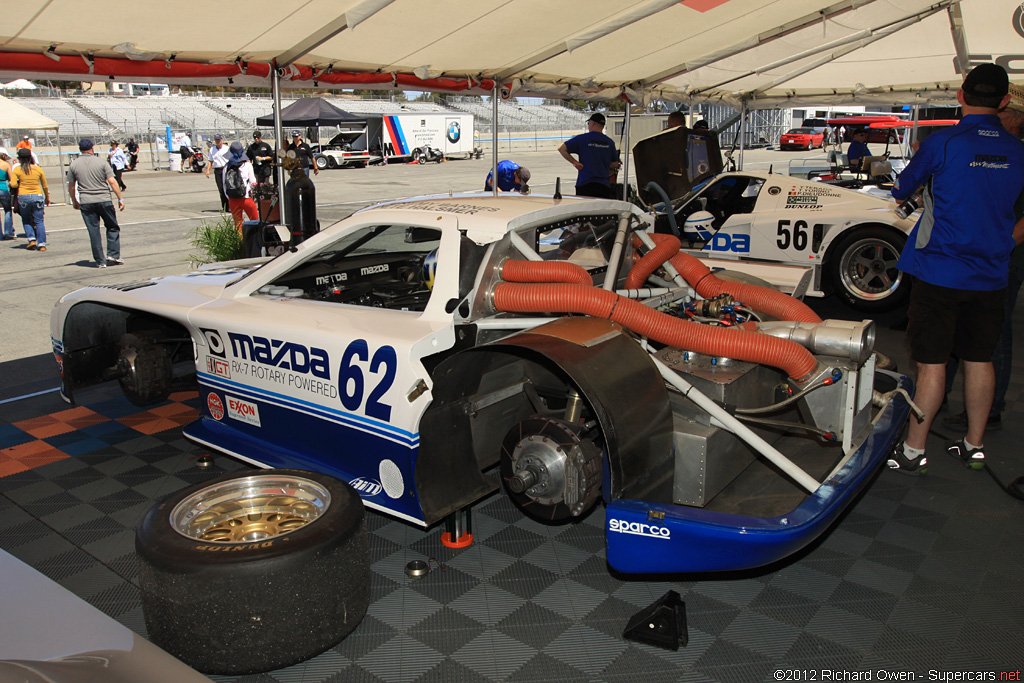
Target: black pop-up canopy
311	111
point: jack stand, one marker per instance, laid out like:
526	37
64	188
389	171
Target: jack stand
459	529
662	624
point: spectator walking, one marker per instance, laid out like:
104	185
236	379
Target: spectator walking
118	161
133	153
511	178
239	181
1012	117
90	182
219	154
33	196
262	157
185	150
6	170
302	152
958	256
597	159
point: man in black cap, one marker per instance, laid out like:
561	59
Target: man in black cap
597	159
302	152
262	157
90	182
958	255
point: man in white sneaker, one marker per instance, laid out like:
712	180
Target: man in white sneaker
958	255
90	181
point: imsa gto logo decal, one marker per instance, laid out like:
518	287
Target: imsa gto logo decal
639	529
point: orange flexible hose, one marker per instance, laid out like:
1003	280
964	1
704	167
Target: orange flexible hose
545	271
700	277
650	262
754	347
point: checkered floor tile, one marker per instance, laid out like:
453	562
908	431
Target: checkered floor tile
919	575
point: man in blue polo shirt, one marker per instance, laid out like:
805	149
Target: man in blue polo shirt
511	178
858	149
958	256
597	159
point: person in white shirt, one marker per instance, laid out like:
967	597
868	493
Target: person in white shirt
219	155
238	159
118	160
185	150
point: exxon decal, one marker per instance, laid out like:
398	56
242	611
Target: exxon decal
367	488
621	526
281	354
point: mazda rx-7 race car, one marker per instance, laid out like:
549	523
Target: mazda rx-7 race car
433	352
849	240
417	348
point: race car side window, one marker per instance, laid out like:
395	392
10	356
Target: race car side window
731	195
585	241
383	266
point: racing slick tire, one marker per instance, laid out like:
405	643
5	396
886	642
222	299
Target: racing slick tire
321	161
254	570
862	267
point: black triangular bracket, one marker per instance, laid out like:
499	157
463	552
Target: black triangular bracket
663	624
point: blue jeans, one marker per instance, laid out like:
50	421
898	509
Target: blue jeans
5	202
92	213
1002	356
31	207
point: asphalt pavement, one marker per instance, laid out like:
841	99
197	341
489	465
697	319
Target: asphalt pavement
161	207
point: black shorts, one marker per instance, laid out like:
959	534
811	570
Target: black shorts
945	320
594	190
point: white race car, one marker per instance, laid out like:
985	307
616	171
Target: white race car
430	352
850	240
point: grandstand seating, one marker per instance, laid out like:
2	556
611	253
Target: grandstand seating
147	117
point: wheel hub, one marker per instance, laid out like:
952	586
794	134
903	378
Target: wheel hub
549	469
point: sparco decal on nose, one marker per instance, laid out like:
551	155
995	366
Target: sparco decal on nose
639	529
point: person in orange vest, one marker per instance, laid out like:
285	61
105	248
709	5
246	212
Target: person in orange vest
25	143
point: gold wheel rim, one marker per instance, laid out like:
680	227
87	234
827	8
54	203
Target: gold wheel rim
250	509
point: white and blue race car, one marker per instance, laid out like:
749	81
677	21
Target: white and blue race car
433	352
849	240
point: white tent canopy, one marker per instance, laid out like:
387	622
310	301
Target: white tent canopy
768	53
13	116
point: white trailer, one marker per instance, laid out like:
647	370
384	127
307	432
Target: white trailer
399	136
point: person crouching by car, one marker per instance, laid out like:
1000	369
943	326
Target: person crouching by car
33	195
239	180
511	178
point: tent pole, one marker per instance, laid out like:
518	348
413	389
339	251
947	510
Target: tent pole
743	132
60	165
625	167
494	139
275	87
912	138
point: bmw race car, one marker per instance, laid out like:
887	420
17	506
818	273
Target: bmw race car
849	240
432	352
